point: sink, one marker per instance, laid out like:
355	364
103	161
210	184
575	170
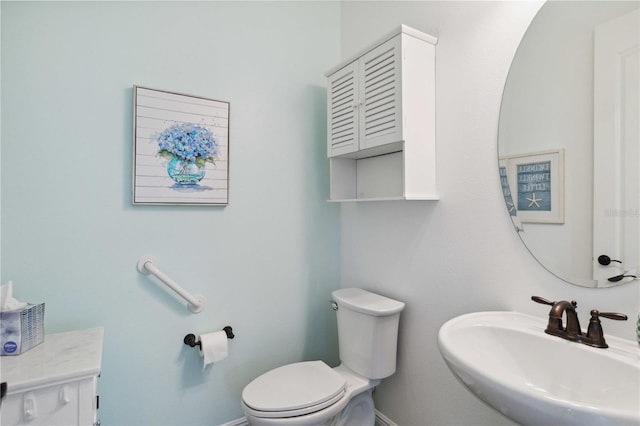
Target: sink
507	360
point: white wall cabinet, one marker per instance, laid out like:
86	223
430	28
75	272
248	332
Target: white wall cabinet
381	121
54	383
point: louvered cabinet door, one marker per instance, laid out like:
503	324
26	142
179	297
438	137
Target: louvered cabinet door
342	111
380	89
381	121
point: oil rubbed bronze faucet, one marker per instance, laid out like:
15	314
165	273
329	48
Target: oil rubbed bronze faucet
572	331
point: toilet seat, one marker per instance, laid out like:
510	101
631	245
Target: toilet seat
294	390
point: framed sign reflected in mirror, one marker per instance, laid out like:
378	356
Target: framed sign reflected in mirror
181	149
536	183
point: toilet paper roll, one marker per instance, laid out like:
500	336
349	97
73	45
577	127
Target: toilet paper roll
214	347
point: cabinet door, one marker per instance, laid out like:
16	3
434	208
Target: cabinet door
48	406
342	104
65	404
380	89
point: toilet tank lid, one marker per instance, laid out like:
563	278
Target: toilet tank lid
366	302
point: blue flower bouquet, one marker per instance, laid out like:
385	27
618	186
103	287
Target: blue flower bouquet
189	147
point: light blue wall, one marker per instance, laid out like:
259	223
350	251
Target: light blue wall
71	238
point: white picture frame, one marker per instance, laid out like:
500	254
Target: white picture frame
536	180
180	149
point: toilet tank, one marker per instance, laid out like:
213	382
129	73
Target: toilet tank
367	331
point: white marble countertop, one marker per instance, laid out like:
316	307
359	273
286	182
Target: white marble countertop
60	358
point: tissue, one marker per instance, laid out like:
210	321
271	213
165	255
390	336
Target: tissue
214	347
21	324
7	302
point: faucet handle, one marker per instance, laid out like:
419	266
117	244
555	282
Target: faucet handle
595	335
611	315
542	300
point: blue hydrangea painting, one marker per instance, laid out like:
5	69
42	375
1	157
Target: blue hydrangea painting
188	142
188	147
181	149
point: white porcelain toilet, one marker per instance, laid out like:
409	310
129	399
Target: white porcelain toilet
312	393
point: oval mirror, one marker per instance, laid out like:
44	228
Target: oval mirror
568	141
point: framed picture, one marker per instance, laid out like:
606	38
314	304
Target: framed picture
180	149
536	182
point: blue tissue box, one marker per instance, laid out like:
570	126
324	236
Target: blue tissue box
22	329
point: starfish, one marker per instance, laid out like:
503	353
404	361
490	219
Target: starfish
534	200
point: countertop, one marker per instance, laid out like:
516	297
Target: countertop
61	357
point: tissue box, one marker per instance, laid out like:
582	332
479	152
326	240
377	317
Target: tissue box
22	329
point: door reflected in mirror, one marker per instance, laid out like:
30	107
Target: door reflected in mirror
569	144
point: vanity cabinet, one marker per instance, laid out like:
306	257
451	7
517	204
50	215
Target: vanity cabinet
54	383
381	121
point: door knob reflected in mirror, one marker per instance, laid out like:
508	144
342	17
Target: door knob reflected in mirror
605	260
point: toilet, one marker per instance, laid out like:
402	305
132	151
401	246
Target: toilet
311	392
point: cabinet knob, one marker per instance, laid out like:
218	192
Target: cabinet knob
30	409
63	395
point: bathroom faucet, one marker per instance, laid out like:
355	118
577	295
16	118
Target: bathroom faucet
572	326
572	331
558	310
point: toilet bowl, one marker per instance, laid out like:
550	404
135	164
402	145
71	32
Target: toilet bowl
311	392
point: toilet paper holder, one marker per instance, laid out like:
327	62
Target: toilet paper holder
191	340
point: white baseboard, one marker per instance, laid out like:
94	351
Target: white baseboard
242	421
381	420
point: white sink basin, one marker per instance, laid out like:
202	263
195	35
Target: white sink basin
507	360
